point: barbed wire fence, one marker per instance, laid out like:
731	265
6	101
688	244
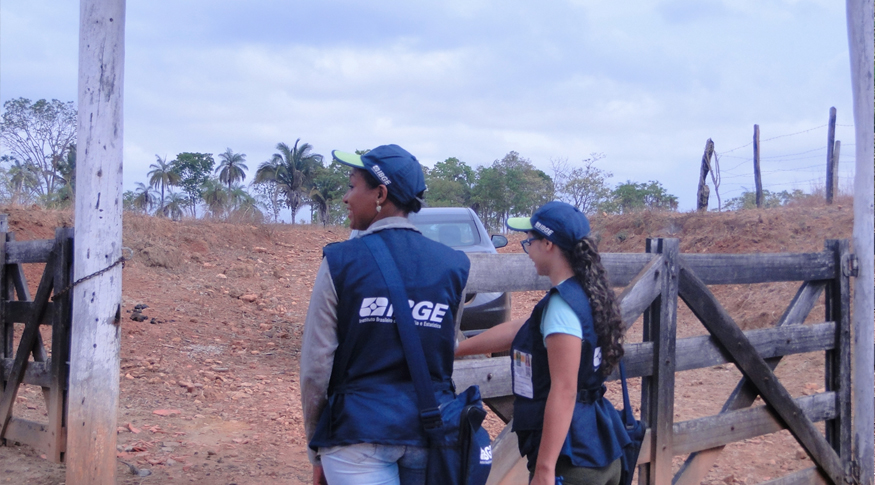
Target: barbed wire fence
802	167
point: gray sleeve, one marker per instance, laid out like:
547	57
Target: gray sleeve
318	346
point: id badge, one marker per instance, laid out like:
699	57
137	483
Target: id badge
522	374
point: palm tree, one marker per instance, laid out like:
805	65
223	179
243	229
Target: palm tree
162	174
215	195
291	170
175	204
22	176
144	198
231	167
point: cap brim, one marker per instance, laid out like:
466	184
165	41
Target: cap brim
520	223
346	158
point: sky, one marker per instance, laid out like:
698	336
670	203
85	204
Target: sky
645	83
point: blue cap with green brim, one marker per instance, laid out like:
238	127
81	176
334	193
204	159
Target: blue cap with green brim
559	222
393	167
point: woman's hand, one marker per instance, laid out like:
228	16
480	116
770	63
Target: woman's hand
543	477
496	339
319	476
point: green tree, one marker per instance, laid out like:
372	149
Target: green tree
193	169
143	198
291	169
175	206
747	199
216	197
20	181
583	187
162	175
631	196
450	184
329	185
231	167
39	134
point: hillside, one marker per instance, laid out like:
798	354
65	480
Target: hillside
226	304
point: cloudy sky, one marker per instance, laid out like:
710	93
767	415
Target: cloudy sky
643	82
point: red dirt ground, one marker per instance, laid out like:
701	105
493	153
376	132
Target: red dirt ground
226	306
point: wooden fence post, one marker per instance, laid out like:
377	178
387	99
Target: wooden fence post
657	391
756	166
94	352
835	167
830	146
703	192
838	361
860	32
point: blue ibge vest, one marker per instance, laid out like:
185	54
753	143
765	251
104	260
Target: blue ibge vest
374	401
597	434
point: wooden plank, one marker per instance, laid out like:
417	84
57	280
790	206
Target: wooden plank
505	456
662	416
28	340
57	395
20	311
808	476
733	426
17	273
697	465
516	272
838	361
36	374
722	269
502	407
703	303
493	374
721	429
640	292
37	251
27	432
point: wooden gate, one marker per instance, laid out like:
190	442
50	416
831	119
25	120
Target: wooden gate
30	363
653	283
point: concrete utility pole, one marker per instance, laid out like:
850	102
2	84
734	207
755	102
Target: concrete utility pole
860	33
94	352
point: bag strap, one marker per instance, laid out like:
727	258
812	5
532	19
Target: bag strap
628	417
429	411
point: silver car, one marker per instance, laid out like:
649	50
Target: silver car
460	228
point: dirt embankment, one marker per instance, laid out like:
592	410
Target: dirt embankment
209	388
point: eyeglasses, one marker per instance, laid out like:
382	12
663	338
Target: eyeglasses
525	243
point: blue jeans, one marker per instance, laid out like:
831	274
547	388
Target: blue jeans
373	464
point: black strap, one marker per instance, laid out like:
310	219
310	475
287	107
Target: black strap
628	417
429	411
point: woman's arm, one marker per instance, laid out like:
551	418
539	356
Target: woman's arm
496	339
563	356
318	346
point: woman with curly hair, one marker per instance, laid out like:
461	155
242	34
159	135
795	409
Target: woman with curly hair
562	354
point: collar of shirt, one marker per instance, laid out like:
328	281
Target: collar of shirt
389	223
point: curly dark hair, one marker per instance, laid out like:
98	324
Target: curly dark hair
609	327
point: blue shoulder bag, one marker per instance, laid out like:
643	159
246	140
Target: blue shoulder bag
459	449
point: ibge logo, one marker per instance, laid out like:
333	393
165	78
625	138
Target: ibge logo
426	313
486	455
374	307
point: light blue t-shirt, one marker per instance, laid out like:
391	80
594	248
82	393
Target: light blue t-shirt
560	318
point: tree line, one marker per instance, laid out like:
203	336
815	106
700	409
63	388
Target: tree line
39	168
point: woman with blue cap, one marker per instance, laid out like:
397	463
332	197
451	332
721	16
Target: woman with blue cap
361	413
566	428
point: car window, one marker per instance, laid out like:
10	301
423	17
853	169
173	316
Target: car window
453	234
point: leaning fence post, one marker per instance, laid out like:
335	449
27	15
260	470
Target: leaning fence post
657	391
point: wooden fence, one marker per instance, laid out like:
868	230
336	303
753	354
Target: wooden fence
16	367
653	283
